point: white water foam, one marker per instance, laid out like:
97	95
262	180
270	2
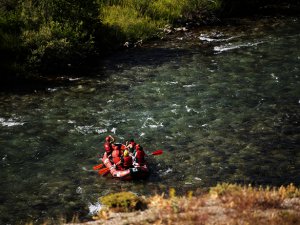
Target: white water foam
174	111
85	129
188	109
52	89
10	122
90	129
151	123
189	85
169	170
101	131
171	82
208	39
94	208
113	130
230	46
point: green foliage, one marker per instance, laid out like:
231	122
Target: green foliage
123	201
50	35
54	44
141	19
10	42
58	32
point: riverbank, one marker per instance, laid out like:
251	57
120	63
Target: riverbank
38	39
223	204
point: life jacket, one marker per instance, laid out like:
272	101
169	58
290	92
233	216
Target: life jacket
108	148
140	157
116	158
127	162
132	148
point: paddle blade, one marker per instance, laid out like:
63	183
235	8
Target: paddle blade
106	173
103	171
157	152
97	167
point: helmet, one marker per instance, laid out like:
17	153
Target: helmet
108	139
126	153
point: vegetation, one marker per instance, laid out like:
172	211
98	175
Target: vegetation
48	34
223	204
123	202
52	36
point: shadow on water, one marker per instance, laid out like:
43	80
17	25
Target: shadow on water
118	61
24	86
141	57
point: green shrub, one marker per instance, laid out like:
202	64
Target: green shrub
55	44
58	32
11	49
123	202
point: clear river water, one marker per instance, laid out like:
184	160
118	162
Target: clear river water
223	103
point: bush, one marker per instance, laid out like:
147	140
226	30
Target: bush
242	198
10	44
123	202
58	32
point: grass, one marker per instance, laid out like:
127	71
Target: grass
143	19
127	21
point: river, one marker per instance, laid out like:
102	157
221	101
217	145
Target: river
223	103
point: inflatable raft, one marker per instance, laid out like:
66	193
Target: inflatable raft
127	174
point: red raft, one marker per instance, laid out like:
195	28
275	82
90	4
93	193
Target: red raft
140	172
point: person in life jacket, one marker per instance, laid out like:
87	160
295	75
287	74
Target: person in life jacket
127	160
139	156
116	157
108	145
131	146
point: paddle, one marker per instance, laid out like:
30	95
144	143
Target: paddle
157	152
97	167
103	171
108	172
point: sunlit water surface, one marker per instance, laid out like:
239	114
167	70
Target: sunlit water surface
223	104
